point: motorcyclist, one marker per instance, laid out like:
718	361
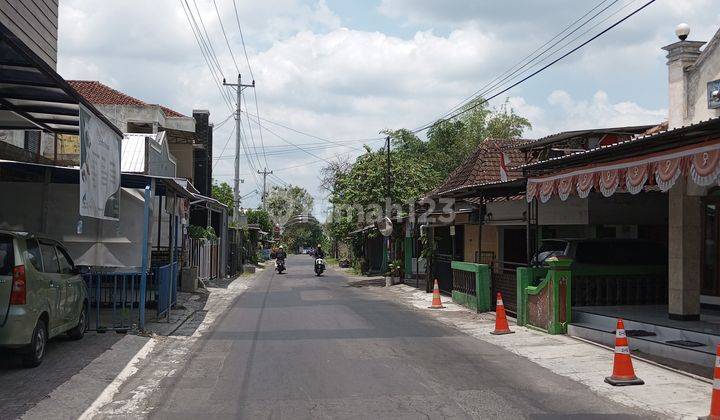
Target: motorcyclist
281	254
319	253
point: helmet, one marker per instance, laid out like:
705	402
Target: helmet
319	246
281	247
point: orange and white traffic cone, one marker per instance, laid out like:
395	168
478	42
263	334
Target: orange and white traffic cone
623	372
436	302
715	400
501	322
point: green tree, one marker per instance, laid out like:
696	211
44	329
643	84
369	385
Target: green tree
223	193
283	203
418	166
260	217
303	235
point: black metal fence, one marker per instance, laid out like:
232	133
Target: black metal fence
626	289
504	280
464	282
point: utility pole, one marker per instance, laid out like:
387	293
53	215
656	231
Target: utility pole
388	205
387	177
239	87
264	173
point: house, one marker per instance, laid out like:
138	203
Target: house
135	116
681	162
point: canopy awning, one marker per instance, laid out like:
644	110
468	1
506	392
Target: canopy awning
24	171
33	95
700	162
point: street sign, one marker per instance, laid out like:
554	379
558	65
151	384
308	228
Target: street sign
100	149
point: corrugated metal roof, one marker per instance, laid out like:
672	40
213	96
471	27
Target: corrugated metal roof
566	135
710	124
133	153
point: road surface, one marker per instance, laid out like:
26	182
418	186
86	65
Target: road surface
299	346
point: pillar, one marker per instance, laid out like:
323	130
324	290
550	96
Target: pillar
684	252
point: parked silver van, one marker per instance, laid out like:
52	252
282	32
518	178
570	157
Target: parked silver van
42	295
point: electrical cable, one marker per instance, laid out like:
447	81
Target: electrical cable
469	108
532	56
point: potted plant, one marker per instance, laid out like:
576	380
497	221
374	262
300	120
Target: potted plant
393	274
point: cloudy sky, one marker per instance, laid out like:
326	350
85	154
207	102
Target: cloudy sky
344	70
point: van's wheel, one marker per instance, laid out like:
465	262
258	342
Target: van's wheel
36	353
79	331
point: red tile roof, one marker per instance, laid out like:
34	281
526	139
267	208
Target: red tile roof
100	94
483	165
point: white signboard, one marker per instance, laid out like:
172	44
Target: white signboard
100	149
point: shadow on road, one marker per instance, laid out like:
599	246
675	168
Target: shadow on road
21	388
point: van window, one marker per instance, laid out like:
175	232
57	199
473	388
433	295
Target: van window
66	265
33	254
7	255
50	260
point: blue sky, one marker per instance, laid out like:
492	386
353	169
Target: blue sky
348	69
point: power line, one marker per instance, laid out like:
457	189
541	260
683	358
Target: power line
560	48
197	36
252	137
473	106
532	56
252	75
217	159
242	39
207	37
295	145
292	147
227	42
318	137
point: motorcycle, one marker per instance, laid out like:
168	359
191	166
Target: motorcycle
280	265
319	266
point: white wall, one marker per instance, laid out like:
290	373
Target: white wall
101	243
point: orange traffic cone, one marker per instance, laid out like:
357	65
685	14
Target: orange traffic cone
436	302
501	322
623	372
715	401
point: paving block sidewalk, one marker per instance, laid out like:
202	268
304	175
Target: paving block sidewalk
83	395
666	391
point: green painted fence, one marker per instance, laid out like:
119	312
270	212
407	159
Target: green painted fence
545	305
471	285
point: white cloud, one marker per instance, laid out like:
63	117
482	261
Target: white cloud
336	82
567	113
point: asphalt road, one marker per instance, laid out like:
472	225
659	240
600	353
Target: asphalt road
300	346
22	388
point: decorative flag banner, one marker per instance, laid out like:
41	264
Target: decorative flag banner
504	163
700	162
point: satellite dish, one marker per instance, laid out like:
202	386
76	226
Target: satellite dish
385	226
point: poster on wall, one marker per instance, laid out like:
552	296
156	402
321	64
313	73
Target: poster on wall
100	148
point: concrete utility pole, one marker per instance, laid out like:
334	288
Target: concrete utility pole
264	173
239	87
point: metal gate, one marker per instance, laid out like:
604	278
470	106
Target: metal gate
504	280
205	255
166	287
114	300
442	271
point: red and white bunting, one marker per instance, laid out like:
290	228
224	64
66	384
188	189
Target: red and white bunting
701	162
609	181
635	178
705	167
